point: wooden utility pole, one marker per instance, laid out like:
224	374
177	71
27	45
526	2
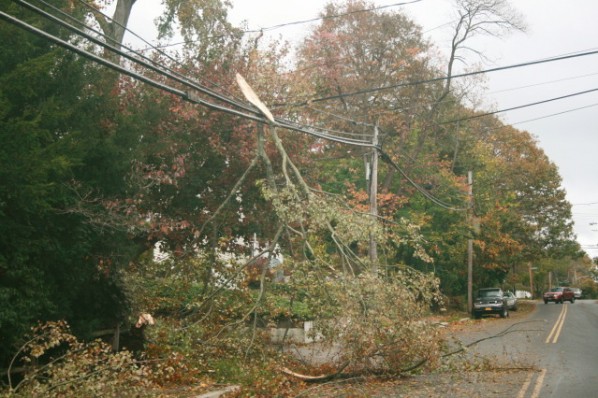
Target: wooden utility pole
470	245
373	191
531	280
373	188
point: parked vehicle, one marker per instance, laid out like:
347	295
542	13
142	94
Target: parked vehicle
511	300
559	294
490	301
577	292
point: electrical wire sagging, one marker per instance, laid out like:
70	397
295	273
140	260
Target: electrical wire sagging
246	111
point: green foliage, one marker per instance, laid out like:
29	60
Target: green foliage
376	324
286	302
61	161
95	170
203	23
222	330
589	288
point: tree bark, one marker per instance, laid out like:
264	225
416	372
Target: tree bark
115	28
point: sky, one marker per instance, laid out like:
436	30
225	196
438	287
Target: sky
554	28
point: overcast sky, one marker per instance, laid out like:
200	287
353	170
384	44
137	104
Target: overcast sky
555	27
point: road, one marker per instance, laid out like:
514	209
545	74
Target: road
557	341
546	352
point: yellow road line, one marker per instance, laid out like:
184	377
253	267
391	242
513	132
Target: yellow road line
556	336
556	329
525	385
537	385
539	382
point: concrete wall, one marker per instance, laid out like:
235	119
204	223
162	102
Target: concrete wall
295	335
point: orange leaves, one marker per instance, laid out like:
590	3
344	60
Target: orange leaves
359	198
388	203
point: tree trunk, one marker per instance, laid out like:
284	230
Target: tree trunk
115	28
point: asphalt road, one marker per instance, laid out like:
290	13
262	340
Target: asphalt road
558	343
550	351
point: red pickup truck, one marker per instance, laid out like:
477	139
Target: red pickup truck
559	294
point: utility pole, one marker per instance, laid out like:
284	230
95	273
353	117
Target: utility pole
531	279
470	244
373	188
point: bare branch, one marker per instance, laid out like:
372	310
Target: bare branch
494	18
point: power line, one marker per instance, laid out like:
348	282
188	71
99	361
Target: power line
549	115
94	10
495	112
440	26
340	117
543	83
305	21
185	95
418	187
585	204
152	65
282	25
153	47
343	118
150	45
121	69
519	106
454	100
189	96
438	79
353	12
194	99
186	80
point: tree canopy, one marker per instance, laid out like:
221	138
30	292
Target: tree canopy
99	170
